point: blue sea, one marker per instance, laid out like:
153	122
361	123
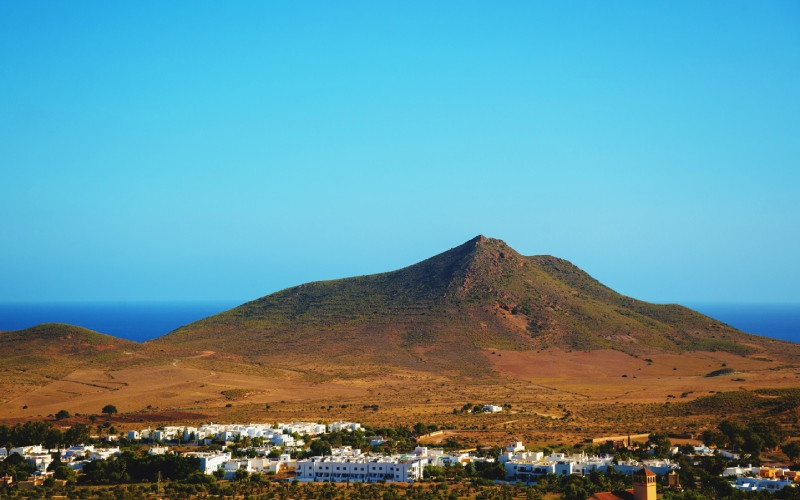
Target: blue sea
138	321
780	321
142	321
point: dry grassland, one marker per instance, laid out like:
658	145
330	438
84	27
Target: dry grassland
555	395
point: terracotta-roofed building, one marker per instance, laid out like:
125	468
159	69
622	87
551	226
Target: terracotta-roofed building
613	495
644	488
644	484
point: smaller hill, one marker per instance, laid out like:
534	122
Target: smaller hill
52	350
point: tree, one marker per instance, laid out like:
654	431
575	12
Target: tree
241	475
199	477
53	438
770	432
792	450
753	443
64	472
62	414
319	448
77	434
109	409
660	442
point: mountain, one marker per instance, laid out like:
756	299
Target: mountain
441	313
479	322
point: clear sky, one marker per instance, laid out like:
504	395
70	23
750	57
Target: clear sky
225	150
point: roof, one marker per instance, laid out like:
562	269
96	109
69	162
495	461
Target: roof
612	495
644	472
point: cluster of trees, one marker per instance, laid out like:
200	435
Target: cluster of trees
484	470
109	410
401	439
16	467
749	438
33	433
129	467
568	487
571	487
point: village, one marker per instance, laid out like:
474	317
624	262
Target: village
298	451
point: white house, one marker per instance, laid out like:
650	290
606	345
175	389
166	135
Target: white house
209	462
344	426
104	454
492	408
231	466
515	446
282	440
76	452
27	450
762	484
39	460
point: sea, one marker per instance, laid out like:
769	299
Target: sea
780	321
141	321
137	321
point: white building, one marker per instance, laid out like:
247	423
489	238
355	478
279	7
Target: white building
515	446
231	466
492	408
27	450
363	468
230	432
39	460
282	440
762	484
531	466
209	462
344	426
104	454
76	452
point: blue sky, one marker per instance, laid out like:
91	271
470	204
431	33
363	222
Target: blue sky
225	150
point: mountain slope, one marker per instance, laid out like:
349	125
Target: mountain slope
441	313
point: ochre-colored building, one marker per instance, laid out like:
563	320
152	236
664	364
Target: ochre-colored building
644	484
